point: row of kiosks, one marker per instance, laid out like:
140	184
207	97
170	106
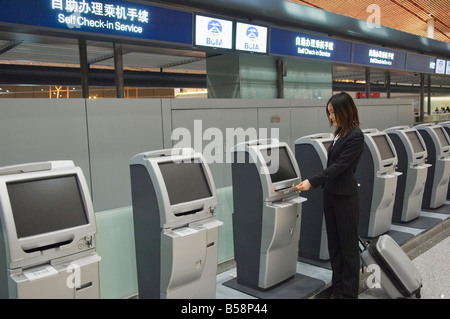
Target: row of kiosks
176	230
48	223
412	155
47	233
401	171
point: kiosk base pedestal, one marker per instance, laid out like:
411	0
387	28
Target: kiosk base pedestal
421	222
297	287
444	209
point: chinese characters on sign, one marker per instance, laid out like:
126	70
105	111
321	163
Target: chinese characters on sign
314	47
381	57
99	15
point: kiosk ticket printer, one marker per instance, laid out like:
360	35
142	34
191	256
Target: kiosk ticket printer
176	231
411	154
267	212
446	126
377	176
438	151
311	155
47	240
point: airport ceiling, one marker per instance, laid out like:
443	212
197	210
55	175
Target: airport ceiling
410	16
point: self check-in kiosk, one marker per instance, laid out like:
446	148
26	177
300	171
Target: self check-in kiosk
176	231
267	212
311	155
412	155
446	126
47	239
438	151
377	176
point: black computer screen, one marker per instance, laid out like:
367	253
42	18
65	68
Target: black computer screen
415	141
47	204
285	169
440	134
185	181
383	147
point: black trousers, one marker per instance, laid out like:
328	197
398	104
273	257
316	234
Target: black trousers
341	219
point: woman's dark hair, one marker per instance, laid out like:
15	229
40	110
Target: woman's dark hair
345	112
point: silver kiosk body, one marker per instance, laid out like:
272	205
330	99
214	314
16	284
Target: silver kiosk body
47	240
311	153
377	176
176	231
412	155
438	149
446	126
267	212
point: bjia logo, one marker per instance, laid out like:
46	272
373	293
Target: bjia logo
252	36
215	30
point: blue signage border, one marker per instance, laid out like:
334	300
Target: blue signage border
286	42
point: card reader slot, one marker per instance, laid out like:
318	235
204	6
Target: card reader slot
189	212
47	247
282	188
84	286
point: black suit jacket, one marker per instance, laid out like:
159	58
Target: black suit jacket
343	158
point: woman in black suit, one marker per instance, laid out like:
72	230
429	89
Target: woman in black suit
341	195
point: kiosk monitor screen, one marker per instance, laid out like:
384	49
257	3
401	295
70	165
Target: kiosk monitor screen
285	170
442	138
46	205
383	147
327	144
415	141
185	181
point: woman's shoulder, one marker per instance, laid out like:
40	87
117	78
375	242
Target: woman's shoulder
356	131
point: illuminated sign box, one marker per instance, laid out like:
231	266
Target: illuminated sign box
111	17
440	66
447	70
213	32
285	42
378	56
251	37
420	63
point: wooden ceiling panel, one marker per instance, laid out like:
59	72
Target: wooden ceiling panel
406	15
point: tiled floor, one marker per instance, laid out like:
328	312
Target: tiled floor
429	250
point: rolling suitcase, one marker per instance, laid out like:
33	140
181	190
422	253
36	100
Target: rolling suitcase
391	267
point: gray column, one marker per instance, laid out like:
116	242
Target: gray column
118	67
387	83
422	95
281	73
367	83
84	68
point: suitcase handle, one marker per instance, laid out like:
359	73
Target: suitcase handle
363	245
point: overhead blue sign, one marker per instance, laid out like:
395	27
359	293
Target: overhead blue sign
292	43
420	63
112	17
378	56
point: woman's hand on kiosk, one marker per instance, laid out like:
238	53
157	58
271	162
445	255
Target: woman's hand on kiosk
303	186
